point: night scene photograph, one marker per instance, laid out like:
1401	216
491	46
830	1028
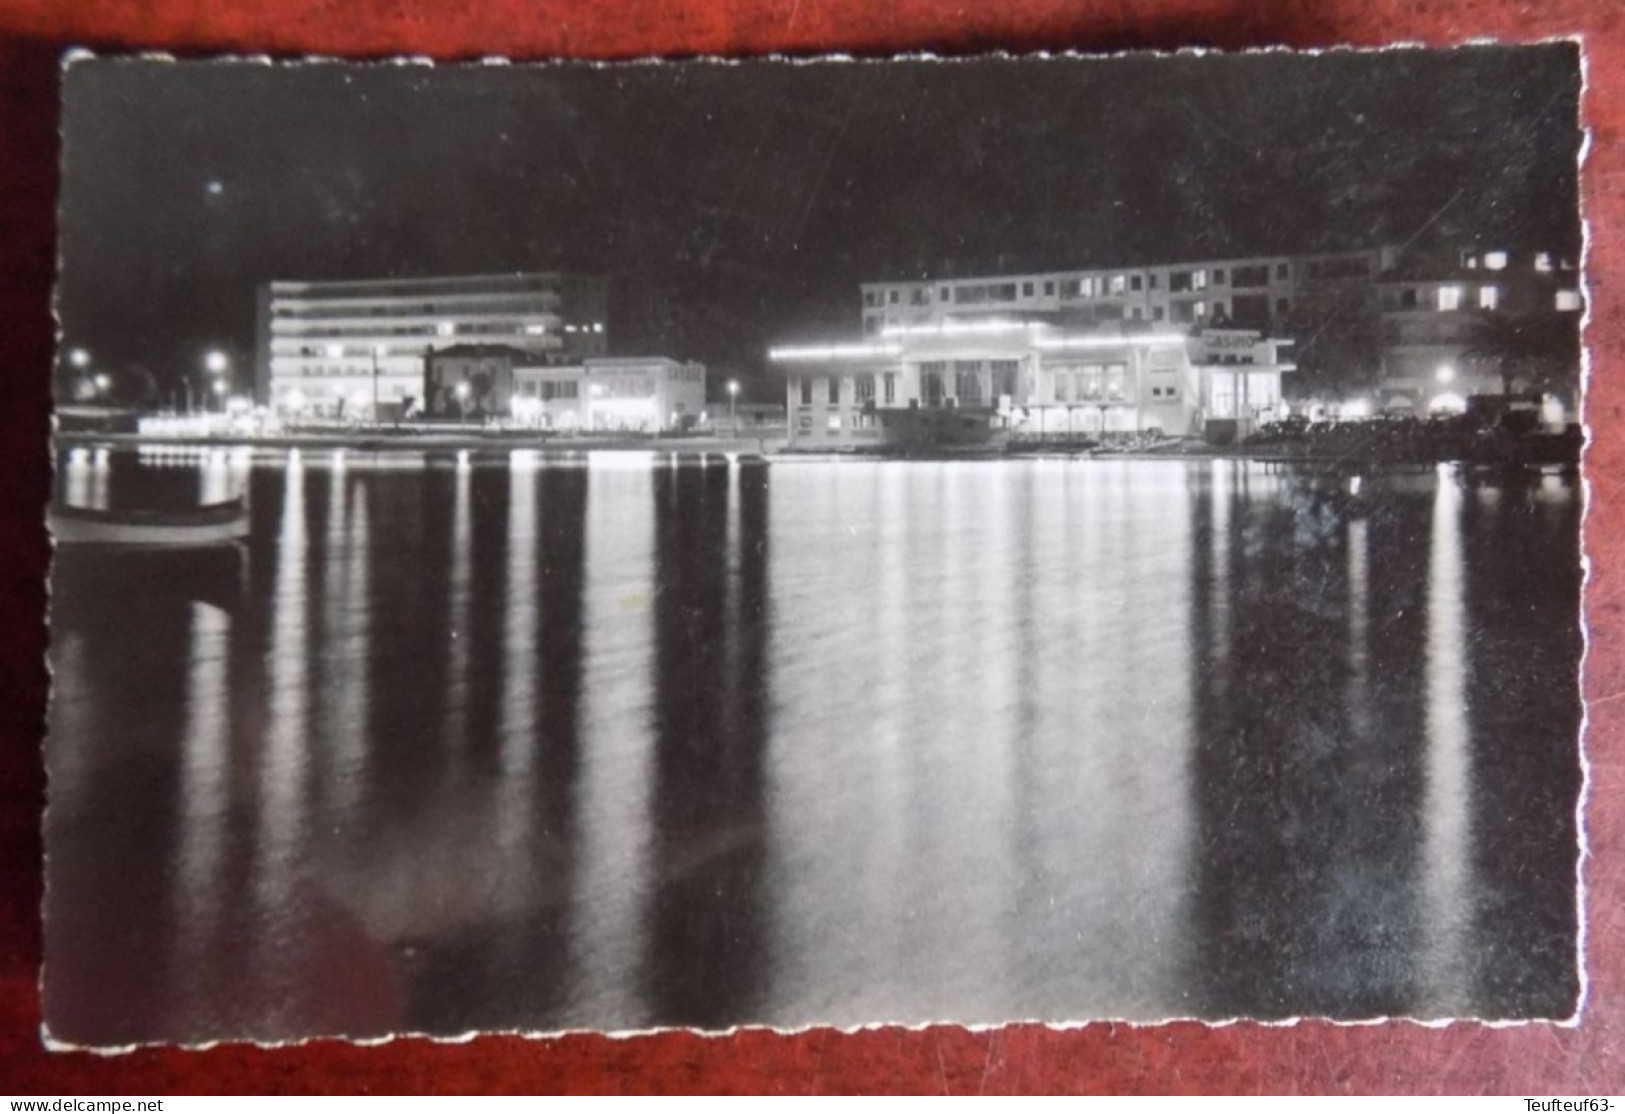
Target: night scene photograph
555	547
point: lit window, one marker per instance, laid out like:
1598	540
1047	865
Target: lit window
1568	300
1201	309
1495	260
1449	299
834	423
1489	297
1543	261
445	328
1119	284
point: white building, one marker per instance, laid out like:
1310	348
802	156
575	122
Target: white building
964	381
358	348
622	394
1249	292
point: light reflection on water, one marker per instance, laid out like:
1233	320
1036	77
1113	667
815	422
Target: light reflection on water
500	741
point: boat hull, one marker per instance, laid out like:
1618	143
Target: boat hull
218	524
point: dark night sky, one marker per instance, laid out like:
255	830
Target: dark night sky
732	205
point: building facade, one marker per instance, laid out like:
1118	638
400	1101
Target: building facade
966	381
358	348
636	394
1255	292
1408	321
1433	316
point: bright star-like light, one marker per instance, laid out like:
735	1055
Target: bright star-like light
215	187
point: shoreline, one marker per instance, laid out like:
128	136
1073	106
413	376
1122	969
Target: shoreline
775	449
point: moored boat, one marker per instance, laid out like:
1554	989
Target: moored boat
210	524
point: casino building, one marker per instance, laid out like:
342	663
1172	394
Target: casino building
335	349
964	382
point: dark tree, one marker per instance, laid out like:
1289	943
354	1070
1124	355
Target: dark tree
1538	351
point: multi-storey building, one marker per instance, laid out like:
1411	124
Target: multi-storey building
358	348
1403	320
1256	292
1433	311
959	381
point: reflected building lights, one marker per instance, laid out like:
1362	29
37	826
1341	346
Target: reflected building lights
1447	886
204	801
607	932
284	767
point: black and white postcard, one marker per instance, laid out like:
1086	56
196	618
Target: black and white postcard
829	542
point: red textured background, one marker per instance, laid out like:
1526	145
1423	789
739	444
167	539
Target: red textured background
1100	1058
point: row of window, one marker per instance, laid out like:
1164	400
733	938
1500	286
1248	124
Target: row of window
979	381
549	389
863	389
1111	285
1543	261
527	303
1092	383
1451	299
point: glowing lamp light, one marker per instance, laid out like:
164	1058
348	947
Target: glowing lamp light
216	362
1448	403
334	351
1445	374
834	352
733	386
462	390
103	382
296	400
219	387
78	357
1356	408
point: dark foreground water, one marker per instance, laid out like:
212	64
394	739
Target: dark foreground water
512	743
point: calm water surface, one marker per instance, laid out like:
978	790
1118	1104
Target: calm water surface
510	742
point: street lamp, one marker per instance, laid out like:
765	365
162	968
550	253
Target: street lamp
733	395
79	358
103	383
216	363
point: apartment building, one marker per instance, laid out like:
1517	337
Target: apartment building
358	347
